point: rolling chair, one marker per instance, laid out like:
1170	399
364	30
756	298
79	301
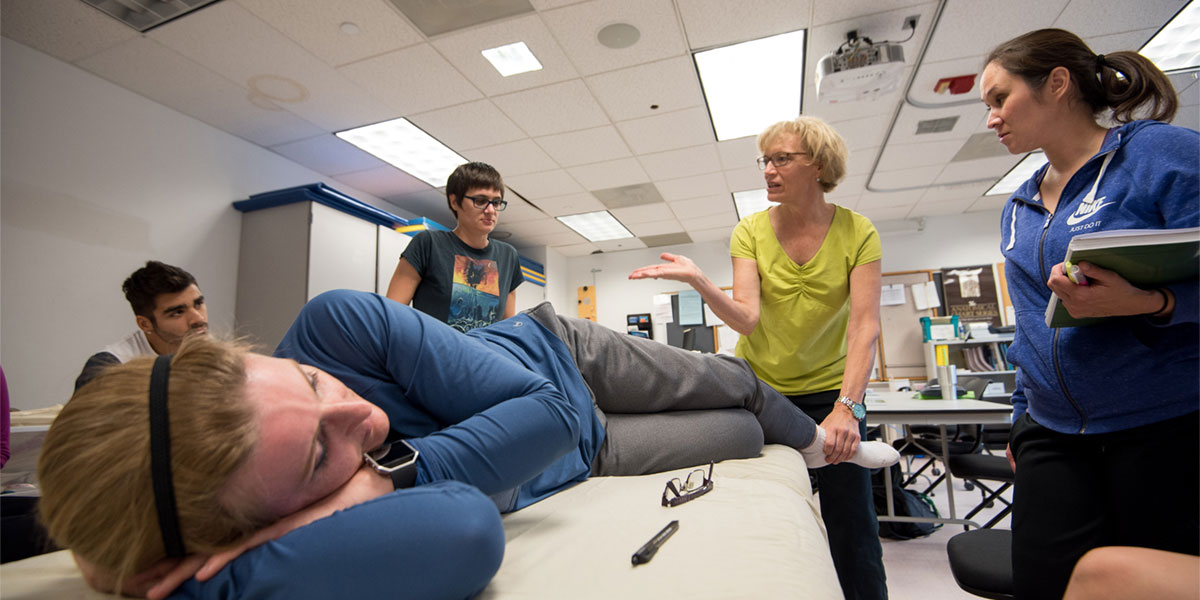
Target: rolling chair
976	468
981	562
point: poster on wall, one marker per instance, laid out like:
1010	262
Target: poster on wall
971	294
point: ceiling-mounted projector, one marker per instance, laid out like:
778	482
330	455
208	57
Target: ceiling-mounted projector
859	70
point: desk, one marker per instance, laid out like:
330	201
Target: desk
901	408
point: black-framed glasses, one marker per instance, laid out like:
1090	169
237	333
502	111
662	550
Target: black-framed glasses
779	160
481	202
695	485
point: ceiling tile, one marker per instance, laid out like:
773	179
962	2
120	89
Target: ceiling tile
665	239
546	184
565	238
692	187
905	131
988	203
519	210
543	226
888	200
614	173
576	250
957	193
747	178
586	146
1094	17
850	186
924	88
685	162
329	155
645	213
863	133
904	179
317	26
471	125
737	153
717	234
1126	40
620	245
65	29
668	85
411	80
628	195
255	55
974	170
964	30
829	12
711	23
654	228
386	182
680	129
704	207
576	27
709	222
555	108
160	74
937	209
860	161
464	51
906	156
572	204
877	215
514	158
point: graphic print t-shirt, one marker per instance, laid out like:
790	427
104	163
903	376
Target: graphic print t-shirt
463	286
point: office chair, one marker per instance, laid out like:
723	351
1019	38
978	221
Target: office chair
981	562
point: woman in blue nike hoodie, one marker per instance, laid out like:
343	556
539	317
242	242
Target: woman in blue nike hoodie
1105	430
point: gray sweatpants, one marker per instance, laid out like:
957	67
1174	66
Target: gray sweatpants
665	408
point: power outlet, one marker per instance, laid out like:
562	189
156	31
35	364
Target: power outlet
910	22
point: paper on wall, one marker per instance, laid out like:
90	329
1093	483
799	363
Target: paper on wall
690	308
918	294
931	295
891	295
710	317
662	309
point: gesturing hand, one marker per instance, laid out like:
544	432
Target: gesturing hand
677	268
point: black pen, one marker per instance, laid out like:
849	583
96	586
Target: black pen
646	552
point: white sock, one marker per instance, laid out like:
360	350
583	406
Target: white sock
871	455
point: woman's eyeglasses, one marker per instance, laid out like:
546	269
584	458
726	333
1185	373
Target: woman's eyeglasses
779	160
481	202
697	484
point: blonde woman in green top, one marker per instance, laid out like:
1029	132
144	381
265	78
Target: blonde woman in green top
806	282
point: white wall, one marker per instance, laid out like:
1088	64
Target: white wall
957	240
950	241
96	181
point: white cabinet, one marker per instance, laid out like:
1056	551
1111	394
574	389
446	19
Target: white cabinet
295	250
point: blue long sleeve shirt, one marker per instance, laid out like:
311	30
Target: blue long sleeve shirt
1123	372
501	411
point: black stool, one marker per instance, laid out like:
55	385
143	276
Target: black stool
981	561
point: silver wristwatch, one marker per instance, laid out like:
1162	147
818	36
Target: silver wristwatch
858	409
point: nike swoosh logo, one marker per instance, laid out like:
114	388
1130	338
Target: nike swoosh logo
1079	217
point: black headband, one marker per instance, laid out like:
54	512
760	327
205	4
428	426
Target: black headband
160	458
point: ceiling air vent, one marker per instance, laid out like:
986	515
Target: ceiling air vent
438	17
144	15
936	125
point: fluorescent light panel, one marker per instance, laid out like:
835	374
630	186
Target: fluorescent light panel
404	146
596	226
1177	45
750	202
512	59
753	84
1018	174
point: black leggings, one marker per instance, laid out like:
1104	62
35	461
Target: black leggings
1137	487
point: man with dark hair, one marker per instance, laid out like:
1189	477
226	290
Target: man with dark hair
461	277
167	305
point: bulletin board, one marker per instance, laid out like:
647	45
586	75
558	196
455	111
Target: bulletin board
901	344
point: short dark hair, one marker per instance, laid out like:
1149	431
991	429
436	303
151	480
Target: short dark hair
1124	81
468	176
146	284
